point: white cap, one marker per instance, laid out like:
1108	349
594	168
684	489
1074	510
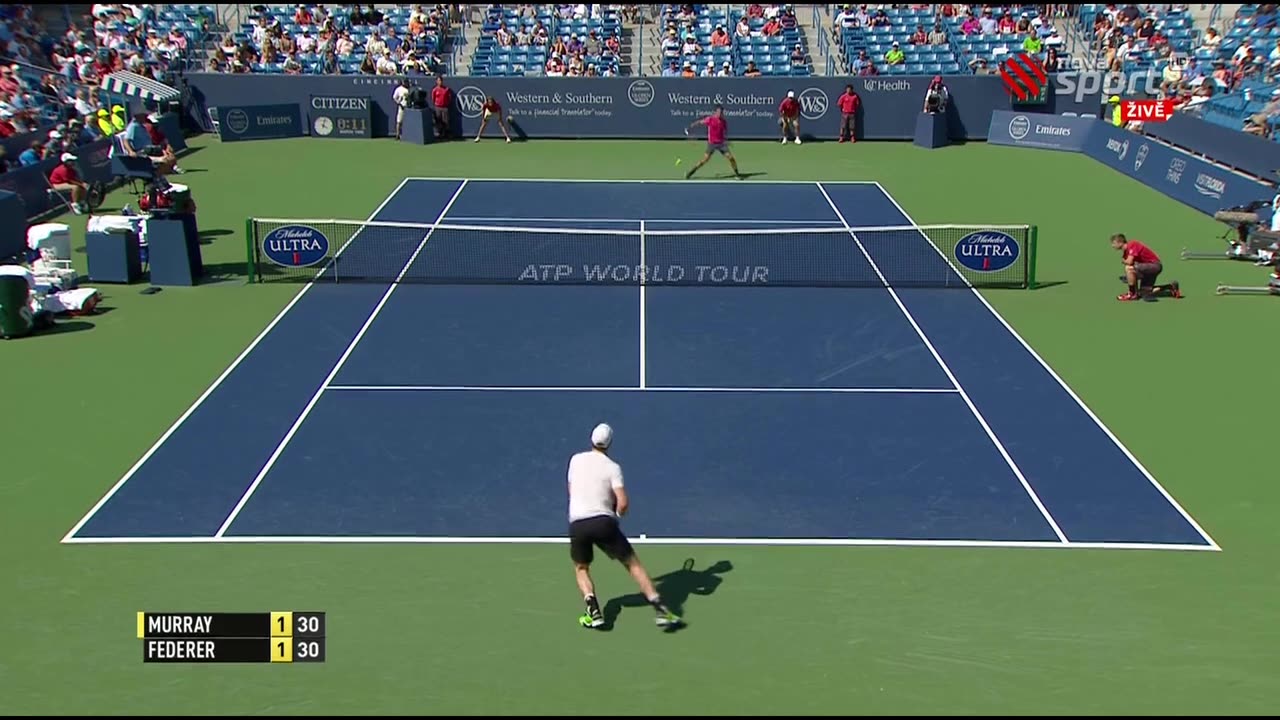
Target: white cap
791	93
67	157
602	436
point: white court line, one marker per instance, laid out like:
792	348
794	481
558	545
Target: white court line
219	380
643	303
625	388
746	542
658	181
1072	393
271	461
481	219
950	375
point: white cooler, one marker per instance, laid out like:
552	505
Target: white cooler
55	237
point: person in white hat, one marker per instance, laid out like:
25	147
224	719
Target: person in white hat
597	499
789	116
65	178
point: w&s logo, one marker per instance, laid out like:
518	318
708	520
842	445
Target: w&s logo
813	104
471	101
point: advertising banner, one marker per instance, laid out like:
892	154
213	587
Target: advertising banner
259	122
340	116
1039	130
1188	179
1253	154
644	107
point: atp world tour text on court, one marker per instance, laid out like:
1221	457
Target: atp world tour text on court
708	274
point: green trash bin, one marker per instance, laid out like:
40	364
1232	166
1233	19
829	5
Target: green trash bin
16	319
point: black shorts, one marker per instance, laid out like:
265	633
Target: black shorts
601	531
1148	272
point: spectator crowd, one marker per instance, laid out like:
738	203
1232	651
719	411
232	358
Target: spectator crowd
49	81
315	39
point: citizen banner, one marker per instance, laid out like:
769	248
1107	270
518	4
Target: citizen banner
341	116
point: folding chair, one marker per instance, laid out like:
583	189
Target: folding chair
213	121
133	170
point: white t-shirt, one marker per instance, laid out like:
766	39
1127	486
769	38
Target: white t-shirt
401	96
592	478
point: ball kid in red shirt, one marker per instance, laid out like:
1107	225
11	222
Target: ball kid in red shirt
789	116
1141	268
848	103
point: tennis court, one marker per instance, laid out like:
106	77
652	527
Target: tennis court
805	413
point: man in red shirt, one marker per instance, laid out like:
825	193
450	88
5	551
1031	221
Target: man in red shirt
64	178
848	103
789	116
717	140
1141	268
441	99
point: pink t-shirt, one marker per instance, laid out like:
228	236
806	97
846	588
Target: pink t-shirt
716	129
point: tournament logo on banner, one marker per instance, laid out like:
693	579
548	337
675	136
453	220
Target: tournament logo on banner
295	246
471	101
813	103
987	251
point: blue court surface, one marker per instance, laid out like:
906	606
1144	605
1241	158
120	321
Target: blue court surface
781	415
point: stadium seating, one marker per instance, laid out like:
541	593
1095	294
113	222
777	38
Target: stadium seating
396	17
1231	104
919	59
494	60
771	55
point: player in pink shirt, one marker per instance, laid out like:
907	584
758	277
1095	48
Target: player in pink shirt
717	141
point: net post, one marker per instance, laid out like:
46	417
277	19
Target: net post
1033	241
250	265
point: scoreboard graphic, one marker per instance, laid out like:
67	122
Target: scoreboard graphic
269	637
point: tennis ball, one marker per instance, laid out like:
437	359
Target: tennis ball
678	161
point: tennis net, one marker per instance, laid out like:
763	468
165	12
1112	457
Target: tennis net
919	256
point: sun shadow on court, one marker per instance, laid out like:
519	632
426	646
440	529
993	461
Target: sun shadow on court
224	272
744	176
675	587
1046	284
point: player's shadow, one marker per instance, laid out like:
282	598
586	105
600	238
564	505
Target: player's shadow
741	176
675	588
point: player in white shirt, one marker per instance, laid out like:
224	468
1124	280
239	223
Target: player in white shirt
597	499
401	98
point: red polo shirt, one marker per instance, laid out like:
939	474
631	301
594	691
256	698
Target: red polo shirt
1140	253
63	174
790	107
440	96
848	103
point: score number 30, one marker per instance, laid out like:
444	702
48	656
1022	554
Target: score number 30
306	625
302	649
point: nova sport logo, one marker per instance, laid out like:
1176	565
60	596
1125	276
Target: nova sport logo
1023	76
